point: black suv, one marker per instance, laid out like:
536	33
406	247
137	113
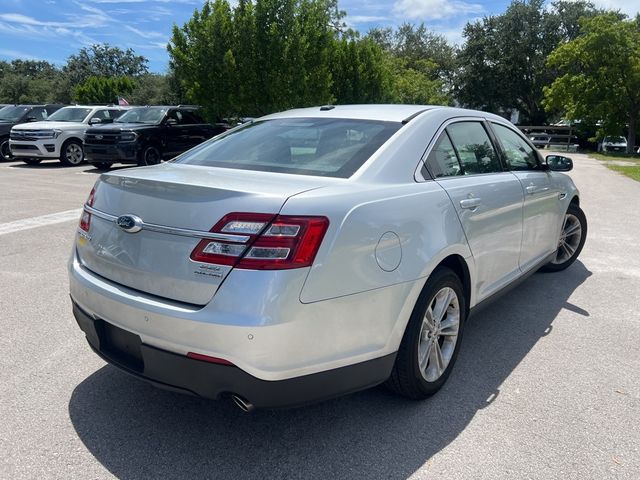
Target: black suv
13	115
146	136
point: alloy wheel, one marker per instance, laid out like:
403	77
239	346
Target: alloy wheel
439	334
73	153
569	239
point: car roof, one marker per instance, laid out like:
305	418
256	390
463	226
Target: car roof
382	112
390	113
95	106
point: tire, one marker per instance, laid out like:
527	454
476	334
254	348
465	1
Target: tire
5	151
32	161
71	153
150	156
572	238
418	380
102	165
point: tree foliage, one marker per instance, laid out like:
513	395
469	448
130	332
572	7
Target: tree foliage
103	89
504	58
255	58
599	75
103	60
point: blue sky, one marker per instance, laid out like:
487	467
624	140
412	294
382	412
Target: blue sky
54	29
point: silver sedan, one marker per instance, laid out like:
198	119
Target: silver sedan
319	251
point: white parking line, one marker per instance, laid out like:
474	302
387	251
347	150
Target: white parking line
34	222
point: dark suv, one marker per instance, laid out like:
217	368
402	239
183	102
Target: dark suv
15	114
147	136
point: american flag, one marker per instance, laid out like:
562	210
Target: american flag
123	102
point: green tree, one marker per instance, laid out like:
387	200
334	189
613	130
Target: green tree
503	62
423	64
153	89
260	57
28	81
360	71
103	89
103	60
202	58
599	75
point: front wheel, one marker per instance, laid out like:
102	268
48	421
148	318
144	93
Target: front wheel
150	156
572	238
5	150
431	341
72	153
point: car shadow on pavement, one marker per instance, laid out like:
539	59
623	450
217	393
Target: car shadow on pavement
137	431
55	164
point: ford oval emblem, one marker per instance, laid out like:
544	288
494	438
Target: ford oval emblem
99	137
129	223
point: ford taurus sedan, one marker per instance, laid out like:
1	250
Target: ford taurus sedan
317	252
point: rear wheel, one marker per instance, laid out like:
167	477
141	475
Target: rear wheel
5	151
431	341
572	238
150	156
72	153
32	161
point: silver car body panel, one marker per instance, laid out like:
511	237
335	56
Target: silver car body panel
388	231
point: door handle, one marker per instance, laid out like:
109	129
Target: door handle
470	203
532	189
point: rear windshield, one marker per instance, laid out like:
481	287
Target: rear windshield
304	146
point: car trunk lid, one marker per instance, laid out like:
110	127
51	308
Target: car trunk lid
178	205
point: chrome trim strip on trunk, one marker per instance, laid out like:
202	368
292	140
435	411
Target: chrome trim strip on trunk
184	232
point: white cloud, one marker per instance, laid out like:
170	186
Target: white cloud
630	7
148	34
434	9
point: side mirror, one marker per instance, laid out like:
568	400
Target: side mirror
171	122
558	163
94	120
31	119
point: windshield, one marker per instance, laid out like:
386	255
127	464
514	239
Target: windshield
70	114
303	146
12	114
151	116
606	139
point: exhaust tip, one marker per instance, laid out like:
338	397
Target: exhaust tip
243	404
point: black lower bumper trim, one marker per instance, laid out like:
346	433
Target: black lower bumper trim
180	373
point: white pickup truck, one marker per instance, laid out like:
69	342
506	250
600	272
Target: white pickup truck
59	136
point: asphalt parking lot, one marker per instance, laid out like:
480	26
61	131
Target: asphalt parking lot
547	384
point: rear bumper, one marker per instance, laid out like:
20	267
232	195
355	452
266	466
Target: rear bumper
118	153
270	337
180	373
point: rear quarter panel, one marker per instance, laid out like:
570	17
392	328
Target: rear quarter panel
419	221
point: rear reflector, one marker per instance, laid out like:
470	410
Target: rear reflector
275	242
207	358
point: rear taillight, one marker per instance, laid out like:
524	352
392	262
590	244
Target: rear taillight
85	218
263	241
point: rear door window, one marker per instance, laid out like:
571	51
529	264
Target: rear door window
475	150
442	160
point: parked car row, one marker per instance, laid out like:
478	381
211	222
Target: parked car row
101	135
